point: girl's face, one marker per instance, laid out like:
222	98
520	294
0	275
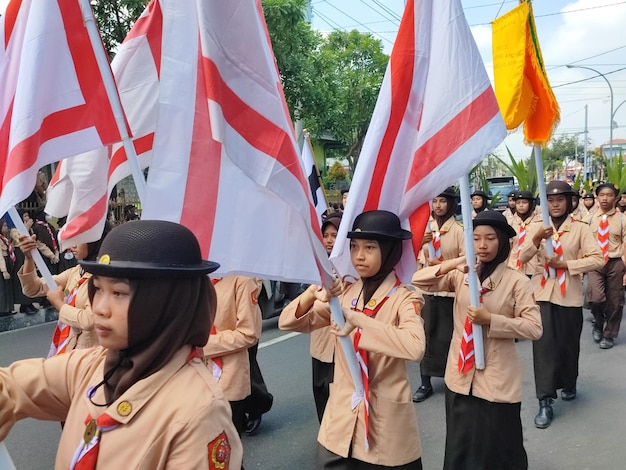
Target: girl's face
557	205
366	257
110	307
330	235
485	243
440	206
80	251
5	229
477	202
522	206
588	202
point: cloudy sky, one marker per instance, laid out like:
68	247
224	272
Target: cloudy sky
582	32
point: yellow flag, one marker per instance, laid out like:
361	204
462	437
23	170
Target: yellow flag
521	84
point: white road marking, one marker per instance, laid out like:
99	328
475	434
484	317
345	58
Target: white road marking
279	339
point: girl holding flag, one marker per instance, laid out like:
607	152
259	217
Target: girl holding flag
484	428
75	328
560	298
144	399
379	429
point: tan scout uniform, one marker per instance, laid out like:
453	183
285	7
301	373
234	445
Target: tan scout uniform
606	293
80	317
509	298
156	432
529	267
238	327
580	251
395	335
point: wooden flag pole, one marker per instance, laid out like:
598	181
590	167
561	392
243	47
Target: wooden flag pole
114	98
543	201
470	256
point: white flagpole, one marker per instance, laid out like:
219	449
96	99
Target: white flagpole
470	256
543	201
39	262
114	98
5	459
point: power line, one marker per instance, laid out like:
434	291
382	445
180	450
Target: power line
358	22
586	79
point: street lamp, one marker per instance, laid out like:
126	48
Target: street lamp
611	89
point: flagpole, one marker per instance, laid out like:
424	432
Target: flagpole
470	256
114	98
543	201
5	459
39	262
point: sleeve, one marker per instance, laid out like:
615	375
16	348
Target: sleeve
429	280
44	250
404	339
461	241
34	286
77	317
248	324
526	321
3	263
590	257
317	317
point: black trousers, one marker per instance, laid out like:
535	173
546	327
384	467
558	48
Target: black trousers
438	325
329	460
322	377
260	400
555	354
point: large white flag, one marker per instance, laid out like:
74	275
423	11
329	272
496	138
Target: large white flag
53	102
435	118
82	184
225	159
312	174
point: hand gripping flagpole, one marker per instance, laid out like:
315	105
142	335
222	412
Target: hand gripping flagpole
431	248
39	262
543	201
470	256
5	459
114	98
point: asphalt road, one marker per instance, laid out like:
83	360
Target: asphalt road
586	433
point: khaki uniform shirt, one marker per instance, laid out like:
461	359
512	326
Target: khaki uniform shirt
580	251
168	420
238	327
617	231
79	317
508	215
514	314
394	336
529	267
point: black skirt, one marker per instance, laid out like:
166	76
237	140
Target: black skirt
438	326
482	435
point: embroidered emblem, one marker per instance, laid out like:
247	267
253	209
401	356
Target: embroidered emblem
104	259
124	408
219	453
417	307
90	431
255	297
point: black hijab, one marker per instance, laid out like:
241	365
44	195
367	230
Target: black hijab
504	249
390	254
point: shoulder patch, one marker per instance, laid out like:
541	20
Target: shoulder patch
254	297
219	453
418	308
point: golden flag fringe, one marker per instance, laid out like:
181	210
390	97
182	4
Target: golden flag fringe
521	83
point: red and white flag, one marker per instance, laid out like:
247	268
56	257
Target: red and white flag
53	102
225	159
82	184
312	174
435	118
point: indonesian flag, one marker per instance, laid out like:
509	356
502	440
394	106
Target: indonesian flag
312	174
435	118
81	185
53	103
225	159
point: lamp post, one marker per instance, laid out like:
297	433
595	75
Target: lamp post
611	89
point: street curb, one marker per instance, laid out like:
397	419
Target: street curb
21	320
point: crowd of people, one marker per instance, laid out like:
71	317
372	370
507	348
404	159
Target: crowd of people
139	327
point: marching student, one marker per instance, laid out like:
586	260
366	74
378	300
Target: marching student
509	212
236	327
447	241
383	321
560	299
525	214
143	399
589	202
605	285
479	202
76	322
483	424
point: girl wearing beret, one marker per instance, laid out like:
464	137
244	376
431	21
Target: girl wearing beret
144	398
383	321
483	424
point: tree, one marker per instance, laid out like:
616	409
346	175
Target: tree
561	150
115	18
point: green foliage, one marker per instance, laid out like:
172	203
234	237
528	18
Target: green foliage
615	171
115	18
337	173
562	149
524	171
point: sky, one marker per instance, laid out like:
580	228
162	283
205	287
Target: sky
587	33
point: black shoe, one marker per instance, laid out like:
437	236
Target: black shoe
568	395
597	335
606	343
6	314
545	415
28	309
252	425
422	393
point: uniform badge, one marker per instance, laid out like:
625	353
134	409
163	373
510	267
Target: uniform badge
219	453
371	303
417	307
104	259
124	408
254	297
